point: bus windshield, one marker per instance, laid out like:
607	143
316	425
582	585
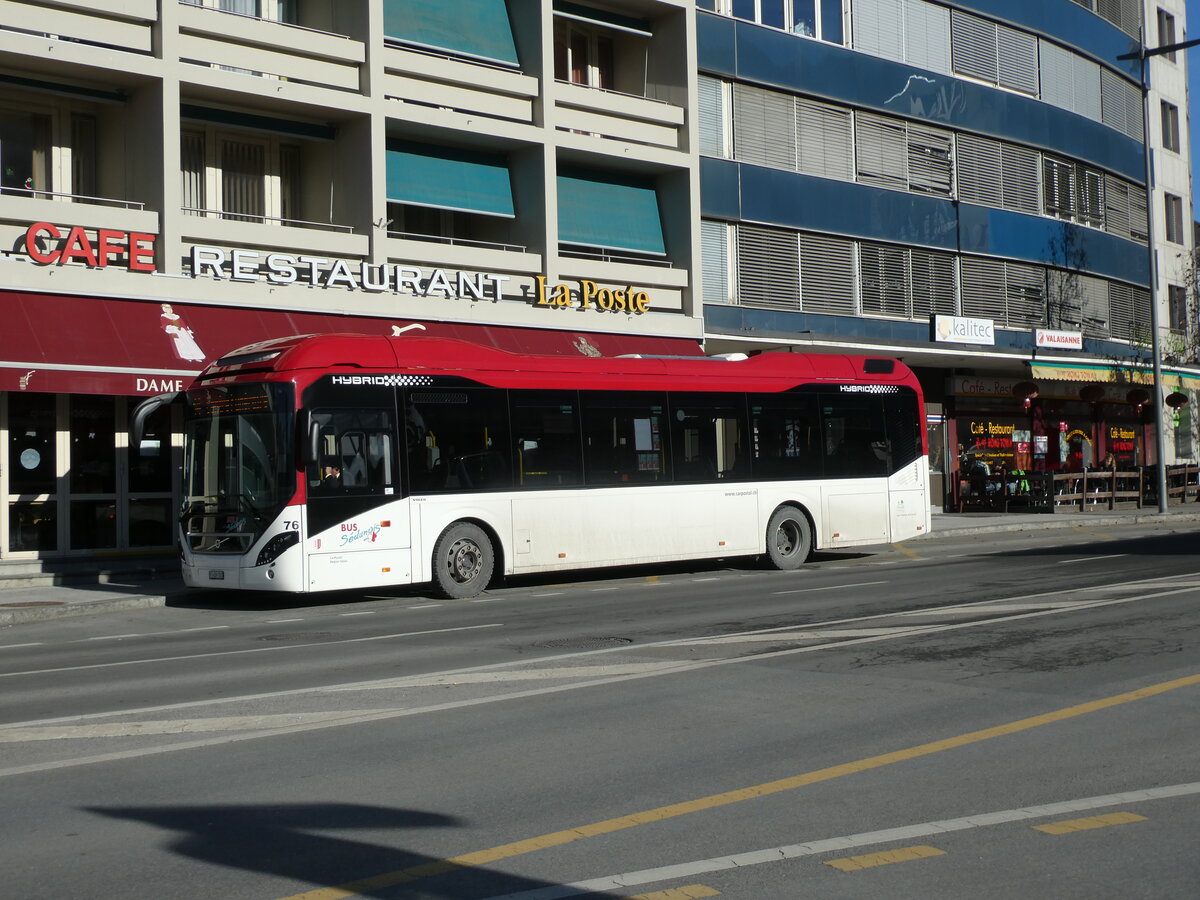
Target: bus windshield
238	472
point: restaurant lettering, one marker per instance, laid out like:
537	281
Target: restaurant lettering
133	250
590	296
991	435
1121	439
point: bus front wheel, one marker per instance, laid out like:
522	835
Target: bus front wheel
463	560
789	538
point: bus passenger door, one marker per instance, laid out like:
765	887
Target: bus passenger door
357	523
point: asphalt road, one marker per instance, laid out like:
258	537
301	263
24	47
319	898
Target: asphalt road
993	716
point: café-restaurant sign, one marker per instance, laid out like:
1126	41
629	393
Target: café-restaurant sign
961	330
49	245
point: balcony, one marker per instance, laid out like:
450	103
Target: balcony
212	227
212	37
434	80
617	116
120	24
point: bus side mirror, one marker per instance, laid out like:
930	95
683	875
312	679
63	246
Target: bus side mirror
144	410
310	438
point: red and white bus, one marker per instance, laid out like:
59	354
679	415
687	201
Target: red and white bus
351	461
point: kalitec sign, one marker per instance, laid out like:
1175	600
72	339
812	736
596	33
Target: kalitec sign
960	330
1063	340
47	244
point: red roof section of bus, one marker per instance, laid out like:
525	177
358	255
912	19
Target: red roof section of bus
499	368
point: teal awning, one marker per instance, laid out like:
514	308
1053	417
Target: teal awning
478	28
446	178
603	209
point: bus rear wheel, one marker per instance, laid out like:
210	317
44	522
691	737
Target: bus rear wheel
789	538
463	560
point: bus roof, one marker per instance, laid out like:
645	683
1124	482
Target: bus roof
307	357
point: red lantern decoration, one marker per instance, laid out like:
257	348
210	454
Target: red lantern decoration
1025	390
1137	397
1175	400
1091	393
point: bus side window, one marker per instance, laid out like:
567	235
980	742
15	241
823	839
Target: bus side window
462	442
355	452
855	441
785	436
623	434
546	437
901	421
708	437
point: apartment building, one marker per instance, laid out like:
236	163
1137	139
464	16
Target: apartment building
179	179
961	184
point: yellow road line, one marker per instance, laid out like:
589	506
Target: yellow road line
910	554
887	857
1099	534
691	892
608	826
1071	825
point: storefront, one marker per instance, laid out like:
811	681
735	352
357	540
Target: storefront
73	368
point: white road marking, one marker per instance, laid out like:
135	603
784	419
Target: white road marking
847	842
15	646
832	587
424	606
108	637
278	621
370	612
552	594
1063	562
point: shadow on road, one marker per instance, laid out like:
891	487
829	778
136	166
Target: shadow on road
286	841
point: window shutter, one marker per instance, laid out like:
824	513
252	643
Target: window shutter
1116	206
973	45
1020	174
881	151
764	130
930	166
191	166
980	177
824	134
879	27
1121	104
711	115
1093	296
1058	184
1089	205
243	173
983	292
1139	222
827	274
714	255
1018	60
1057	75
884	280
1025	289
1087	87
768	267
934	287
1120	311
927	36
1065	306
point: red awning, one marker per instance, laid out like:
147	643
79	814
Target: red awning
86	345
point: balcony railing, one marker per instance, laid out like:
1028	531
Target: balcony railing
265	220
461	242
35	194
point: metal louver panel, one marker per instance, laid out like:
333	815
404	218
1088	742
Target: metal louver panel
983	292
1139	222
1093	296
879	27
1021	183
243	175
714	256
980	175
1058	187
768	267
930	162
973	47
881	151
711	115
824	136
934	286
1065	308
884	280
764	127
1125	14
1057	70
927	36
1120	311
1089	205
191	146
1025	287
1087	87
1116	206
827	274
1121	104
1018	60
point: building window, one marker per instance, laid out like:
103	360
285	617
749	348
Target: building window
1170	126
821	19
582	56
1177	300
714	248
24	153
83	155
255	179
1166	32
713	116
1173	206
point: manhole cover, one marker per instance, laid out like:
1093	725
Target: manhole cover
296	636
595	643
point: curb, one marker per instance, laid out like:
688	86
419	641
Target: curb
1066	521
44	610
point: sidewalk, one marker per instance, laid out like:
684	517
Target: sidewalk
34	604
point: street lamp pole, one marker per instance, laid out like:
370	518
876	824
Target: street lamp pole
1142	55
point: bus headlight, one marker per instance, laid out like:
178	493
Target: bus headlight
276	546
